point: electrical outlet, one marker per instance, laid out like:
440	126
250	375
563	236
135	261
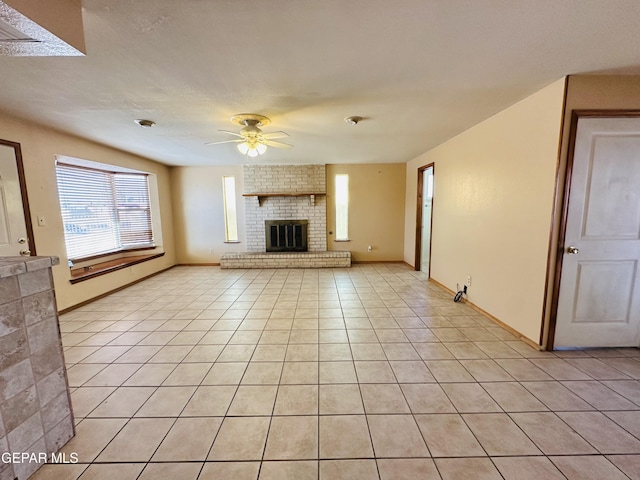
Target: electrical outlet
468	281
369	248
42	222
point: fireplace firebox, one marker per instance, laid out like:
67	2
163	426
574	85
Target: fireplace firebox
286	235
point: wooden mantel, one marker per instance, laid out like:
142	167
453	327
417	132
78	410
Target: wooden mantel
262	196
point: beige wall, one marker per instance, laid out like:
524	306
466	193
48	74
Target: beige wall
199	213
376	198
376	203
39	146
494	190
588	92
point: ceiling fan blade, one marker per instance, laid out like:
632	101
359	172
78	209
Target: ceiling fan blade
232	133
271	143
272	135
225	141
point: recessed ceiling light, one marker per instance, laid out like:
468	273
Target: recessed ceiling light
353	120
145	123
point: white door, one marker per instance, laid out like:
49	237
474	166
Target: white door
599	300
13	230
427	203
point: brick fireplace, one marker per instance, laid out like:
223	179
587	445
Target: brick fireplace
285	194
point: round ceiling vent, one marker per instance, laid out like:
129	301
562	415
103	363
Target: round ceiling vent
353	120
145	123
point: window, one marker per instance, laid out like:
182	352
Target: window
342	207
103	211
230	213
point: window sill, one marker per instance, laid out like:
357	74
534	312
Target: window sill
92	271
232	241
111	254
345	240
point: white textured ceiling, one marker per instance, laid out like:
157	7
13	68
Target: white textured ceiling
419	71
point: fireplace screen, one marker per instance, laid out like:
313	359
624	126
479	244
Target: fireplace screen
286	235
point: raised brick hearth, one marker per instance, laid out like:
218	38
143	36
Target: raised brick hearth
286	260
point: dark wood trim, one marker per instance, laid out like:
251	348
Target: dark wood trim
106	294
23	193
419	201
603	113
550	245
417	254
553	316
575	116
87	273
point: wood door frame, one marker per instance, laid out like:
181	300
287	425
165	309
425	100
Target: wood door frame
419	200
573	130
23	192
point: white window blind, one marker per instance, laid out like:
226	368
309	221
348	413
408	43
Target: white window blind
103	211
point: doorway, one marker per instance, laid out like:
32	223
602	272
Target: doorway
596	297
424	216
16	233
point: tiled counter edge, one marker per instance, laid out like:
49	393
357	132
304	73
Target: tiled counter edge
35	408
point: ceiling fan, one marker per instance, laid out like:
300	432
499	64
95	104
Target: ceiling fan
252	141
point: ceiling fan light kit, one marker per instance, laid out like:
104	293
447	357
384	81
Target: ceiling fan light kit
252	141
252	149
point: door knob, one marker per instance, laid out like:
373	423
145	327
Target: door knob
22	240
573	251
25	253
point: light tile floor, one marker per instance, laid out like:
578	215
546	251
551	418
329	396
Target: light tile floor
362	373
